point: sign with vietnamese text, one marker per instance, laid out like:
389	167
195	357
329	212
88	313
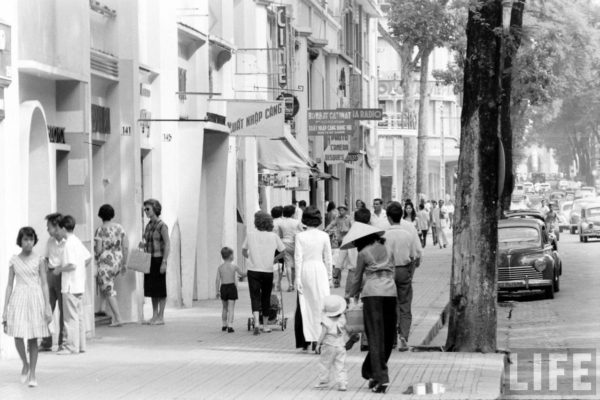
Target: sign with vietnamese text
337	150
251	117
330	122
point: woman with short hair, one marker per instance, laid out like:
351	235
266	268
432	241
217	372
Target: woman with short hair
157	243
313	278
259	247
110	250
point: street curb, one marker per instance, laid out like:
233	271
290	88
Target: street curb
437	326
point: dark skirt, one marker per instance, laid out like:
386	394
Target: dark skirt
229	292
299	328
155	283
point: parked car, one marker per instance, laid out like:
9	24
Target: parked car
564	215
519	189
583	194
589	221
526	259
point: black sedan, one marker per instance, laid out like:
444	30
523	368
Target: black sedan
526	258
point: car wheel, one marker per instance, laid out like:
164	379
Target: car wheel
572	230
549	292
556	284
585	239
580	238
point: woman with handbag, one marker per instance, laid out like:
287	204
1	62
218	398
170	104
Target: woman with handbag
110	247
156	243
374	281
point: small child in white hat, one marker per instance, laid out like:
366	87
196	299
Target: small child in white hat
331	344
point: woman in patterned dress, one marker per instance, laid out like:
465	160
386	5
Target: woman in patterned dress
110	250
27	311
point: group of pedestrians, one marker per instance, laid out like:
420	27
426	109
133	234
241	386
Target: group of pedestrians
39	282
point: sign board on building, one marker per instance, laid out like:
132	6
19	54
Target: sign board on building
281	26
330	122
254	118
362	114
337	150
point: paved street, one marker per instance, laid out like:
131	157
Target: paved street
571	320
190	358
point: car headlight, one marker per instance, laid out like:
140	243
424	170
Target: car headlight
539	265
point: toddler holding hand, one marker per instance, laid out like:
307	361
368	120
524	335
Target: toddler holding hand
331	344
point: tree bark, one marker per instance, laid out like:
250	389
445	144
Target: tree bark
472	320
409	172
422	170
516	33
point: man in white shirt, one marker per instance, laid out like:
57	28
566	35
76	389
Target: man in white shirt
404	247
379	218
53	258
75	259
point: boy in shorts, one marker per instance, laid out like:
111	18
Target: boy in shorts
226	287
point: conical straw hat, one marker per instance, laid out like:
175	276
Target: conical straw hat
358	230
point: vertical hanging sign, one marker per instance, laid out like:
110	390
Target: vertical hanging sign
281	26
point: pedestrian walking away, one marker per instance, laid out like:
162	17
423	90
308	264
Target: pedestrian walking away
313	278
338	228
287	229
226	285
111	248
331	345
27	310
259	247
405	250
75	260
54	258
422	224
374	281
158	245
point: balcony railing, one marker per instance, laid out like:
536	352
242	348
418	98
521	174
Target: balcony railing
403	120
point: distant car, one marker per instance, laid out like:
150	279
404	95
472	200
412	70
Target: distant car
519	189
518	202
576	212
564	215
583	194
589	189
589	221
528	187
544	187
563	185
557	195
526	259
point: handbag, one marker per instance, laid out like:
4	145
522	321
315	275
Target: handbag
354	320
139	261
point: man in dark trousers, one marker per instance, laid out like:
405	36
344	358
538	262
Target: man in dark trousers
404	247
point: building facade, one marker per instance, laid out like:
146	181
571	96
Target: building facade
200	104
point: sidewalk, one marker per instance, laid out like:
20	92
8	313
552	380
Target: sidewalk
190	358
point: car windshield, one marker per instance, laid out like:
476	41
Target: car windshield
518	237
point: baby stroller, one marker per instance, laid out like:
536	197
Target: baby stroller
275	314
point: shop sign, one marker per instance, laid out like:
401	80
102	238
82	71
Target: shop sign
337	150
292	105
281	26
330	122
251	118
361	114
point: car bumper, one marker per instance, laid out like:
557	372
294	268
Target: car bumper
590	233
524	284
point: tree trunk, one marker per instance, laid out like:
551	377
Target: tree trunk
472	321
422	170
516	33
409	172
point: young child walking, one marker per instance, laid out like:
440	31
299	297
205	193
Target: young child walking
27	311
331	344
226	287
